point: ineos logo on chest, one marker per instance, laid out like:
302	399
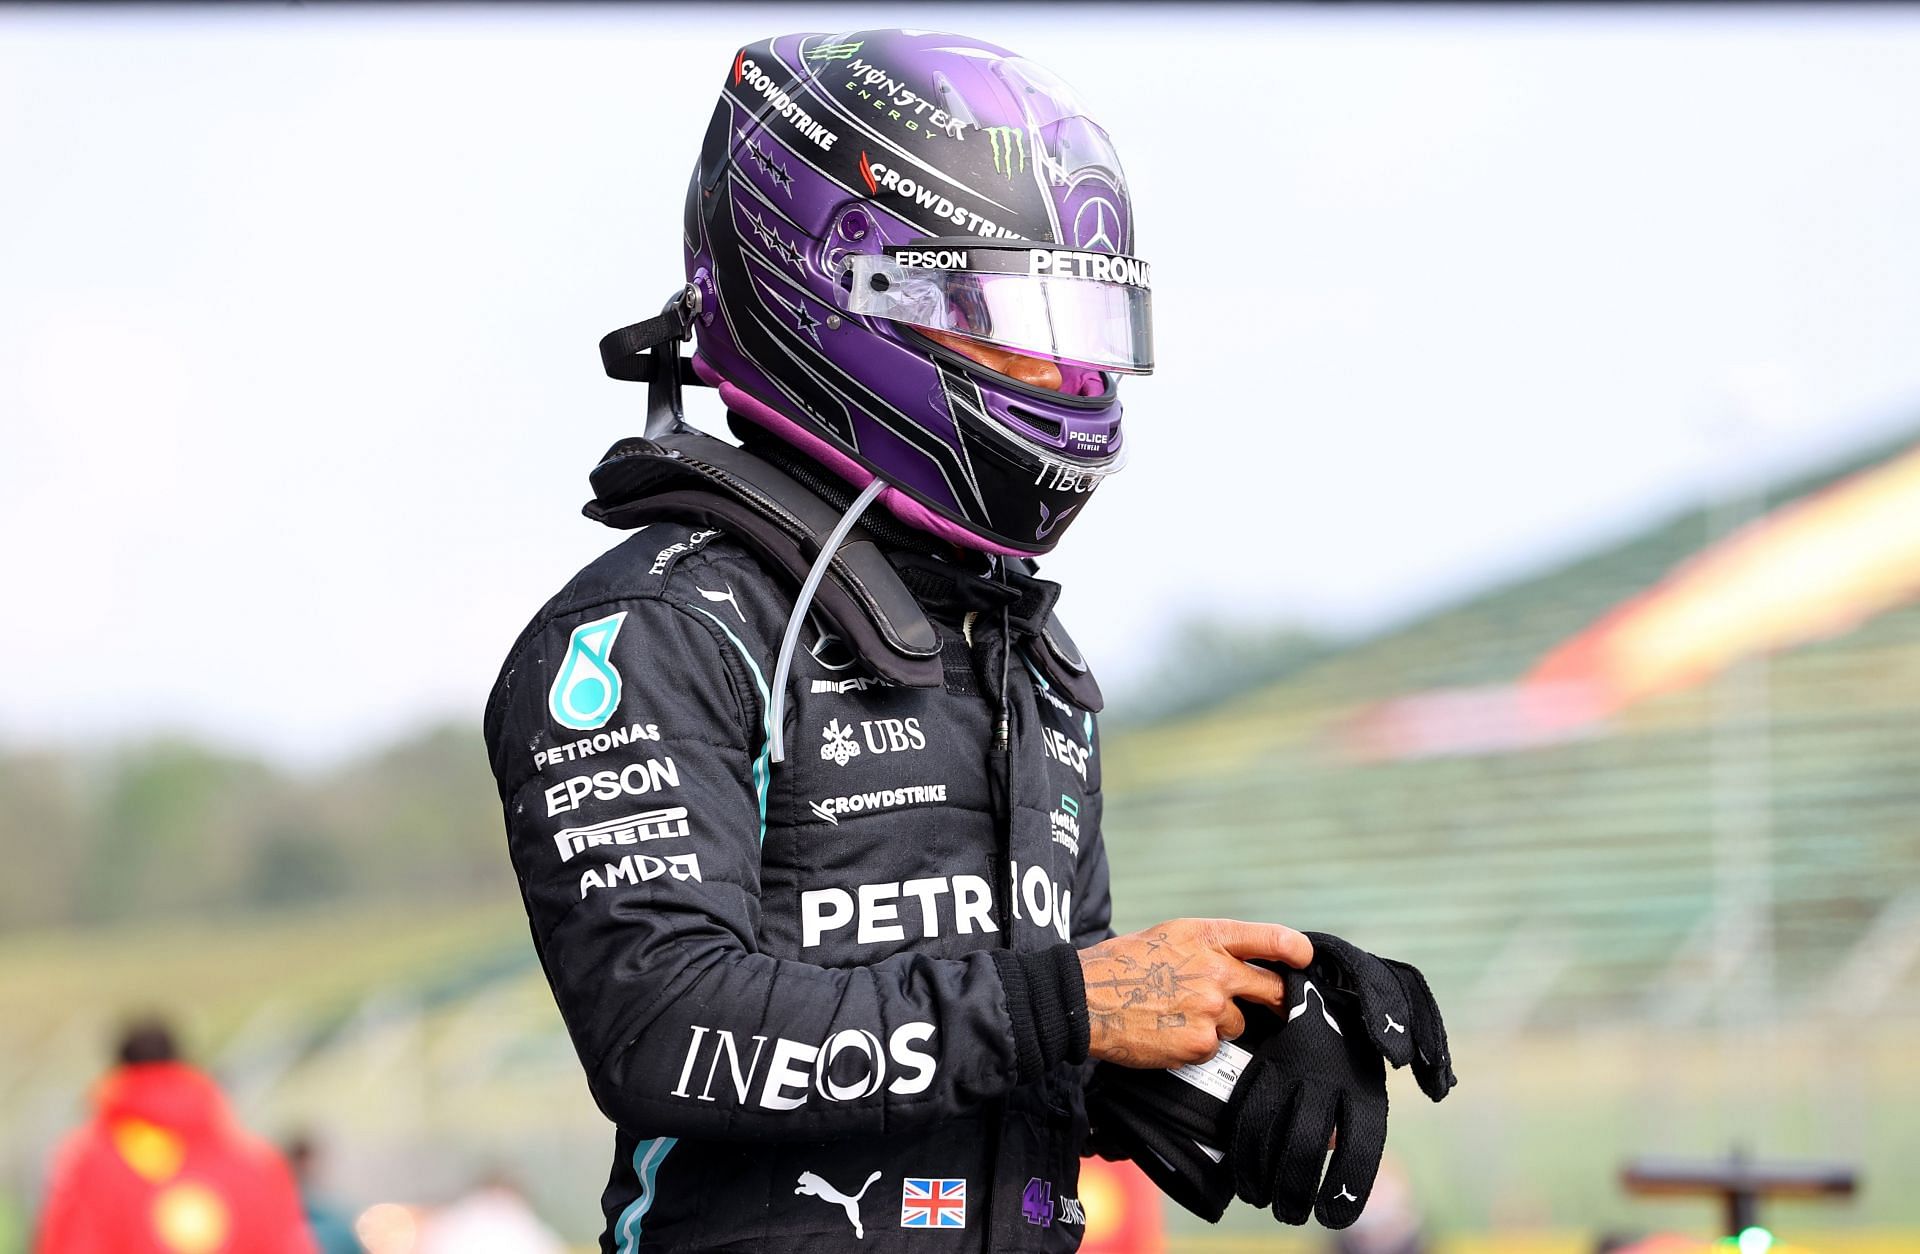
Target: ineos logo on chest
880	735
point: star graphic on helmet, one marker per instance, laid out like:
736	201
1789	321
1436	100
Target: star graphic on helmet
776	243
803	319
754	150
763	231
781	176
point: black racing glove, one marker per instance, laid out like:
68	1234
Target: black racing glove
1276	1107
1317	1074
1171	1124
1397	1008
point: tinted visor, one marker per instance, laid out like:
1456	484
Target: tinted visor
1088	309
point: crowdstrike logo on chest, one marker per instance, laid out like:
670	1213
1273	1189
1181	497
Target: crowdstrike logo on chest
831	808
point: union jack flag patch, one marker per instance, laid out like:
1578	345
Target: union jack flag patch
933	1203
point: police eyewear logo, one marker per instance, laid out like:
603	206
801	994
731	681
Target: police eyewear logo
631	830
587	690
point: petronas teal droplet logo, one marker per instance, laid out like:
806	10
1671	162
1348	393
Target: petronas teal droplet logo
587	691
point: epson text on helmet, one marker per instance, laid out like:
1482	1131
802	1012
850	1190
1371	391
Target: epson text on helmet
785	105
1100	267
935	258
886	178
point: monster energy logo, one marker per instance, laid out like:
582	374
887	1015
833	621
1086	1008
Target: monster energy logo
833	52
1009	149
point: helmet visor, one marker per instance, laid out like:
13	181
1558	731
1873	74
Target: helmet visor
1088	309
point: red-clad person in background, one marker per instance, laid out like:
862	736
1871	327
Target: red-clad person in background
163	1168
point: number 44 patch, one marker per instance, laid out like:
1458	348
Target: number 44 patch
1036	1202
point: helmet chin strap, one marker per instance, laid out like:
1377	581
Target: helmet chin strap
649	352
776	714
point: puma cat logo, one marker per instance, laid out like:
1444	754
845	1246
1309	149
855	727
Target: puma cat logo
810	1185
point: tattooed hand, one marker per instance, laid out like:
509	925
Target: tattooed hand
1163	997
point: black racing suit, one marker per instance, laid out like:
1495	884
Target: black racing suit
829	1003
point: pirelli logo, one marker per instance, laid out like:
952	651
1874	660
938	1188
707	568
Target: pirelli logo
631	830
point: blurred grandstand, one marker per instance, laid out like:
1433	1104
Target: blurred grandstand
1650	822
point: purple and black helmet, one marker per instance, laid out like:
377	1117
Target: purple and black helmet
862	200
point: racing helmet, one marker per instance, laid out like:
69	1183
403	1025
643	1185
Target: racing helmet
866	201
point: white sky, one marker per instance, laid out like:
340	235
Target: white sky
298	387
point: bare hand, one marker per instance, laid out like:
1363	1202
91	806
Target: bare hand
1163	997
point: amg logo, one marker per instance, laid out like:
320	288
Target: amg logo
859	683
647	825
847	1066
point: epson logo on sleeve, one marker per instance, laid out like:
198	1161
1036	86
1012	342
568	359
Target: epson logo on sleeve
631	830
635	779
934	258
